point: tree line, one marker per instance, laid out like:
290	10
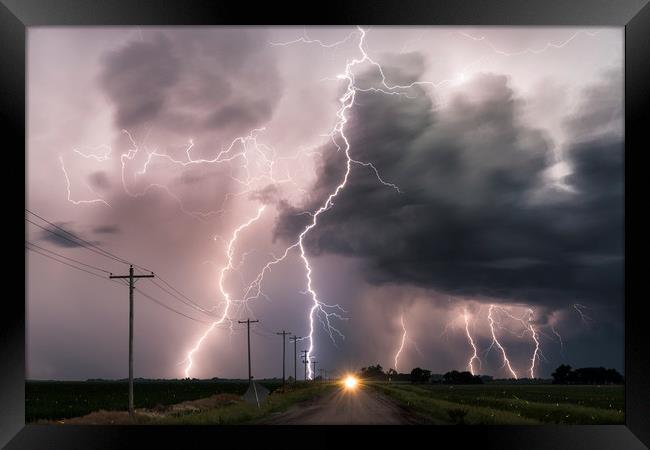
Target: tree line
418	375
564	374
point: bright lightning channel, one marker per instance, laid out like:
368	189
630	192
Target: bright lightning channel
495	340
470	363
222	274
78	202
401	347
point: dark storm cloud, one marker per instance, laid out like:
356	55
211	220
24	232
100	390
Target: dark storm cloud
170	86
600	108
193	81
63	235
106	229
99	180
466	221
137	77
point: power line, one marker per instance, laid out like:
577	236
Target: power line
68	258
90	244
70	240
73	266
262	335
189	303
174	289
102	252
197	305
117	282
170	308
267	330
63	262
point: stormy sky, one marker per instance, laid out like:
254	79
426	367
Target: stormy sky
484	197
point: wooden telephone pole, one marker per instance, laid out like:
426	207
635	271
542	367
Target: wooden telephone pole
304	361
132	278
295	357
248	327
283	333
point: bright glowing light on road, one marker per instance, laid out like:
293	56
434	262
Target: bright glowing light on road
350	382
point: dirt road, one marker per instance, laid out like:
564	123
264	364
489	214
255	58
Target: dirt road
359	406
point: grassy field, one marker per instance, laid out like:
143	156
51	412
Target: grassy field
243	413
53	400
219	402
516	404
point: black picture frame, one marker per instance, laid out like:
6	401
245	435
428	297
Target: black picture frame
634	15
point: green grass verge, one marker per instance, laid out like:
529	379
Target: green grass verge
439	411
241	412
488	404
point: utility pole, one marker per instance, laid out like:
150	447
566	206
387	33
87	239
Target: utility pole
248	328
295	357
283	333
132	279
314	372
304	361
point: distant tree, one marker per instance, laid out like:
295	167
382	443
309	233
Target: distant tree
596	375
562	374
419	375
373	372
290	379
456	377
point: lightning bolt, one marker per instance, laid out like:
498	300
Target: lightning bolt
495	341
401	347
584	317
226	297
474	356
536	340
559	338
530	50
78	202
306	40
324	311
247	153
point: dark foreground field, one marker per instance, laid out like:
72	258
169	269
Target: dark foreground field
219	402
511	404
53	400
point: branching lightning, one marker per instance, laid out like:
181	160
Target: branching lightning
470	363
583	316
401	347
536	340
324	311
529	50
224	293
78	202
495	340
248	155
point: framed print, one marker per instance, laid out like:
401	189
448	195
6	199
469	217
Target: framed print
365	219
